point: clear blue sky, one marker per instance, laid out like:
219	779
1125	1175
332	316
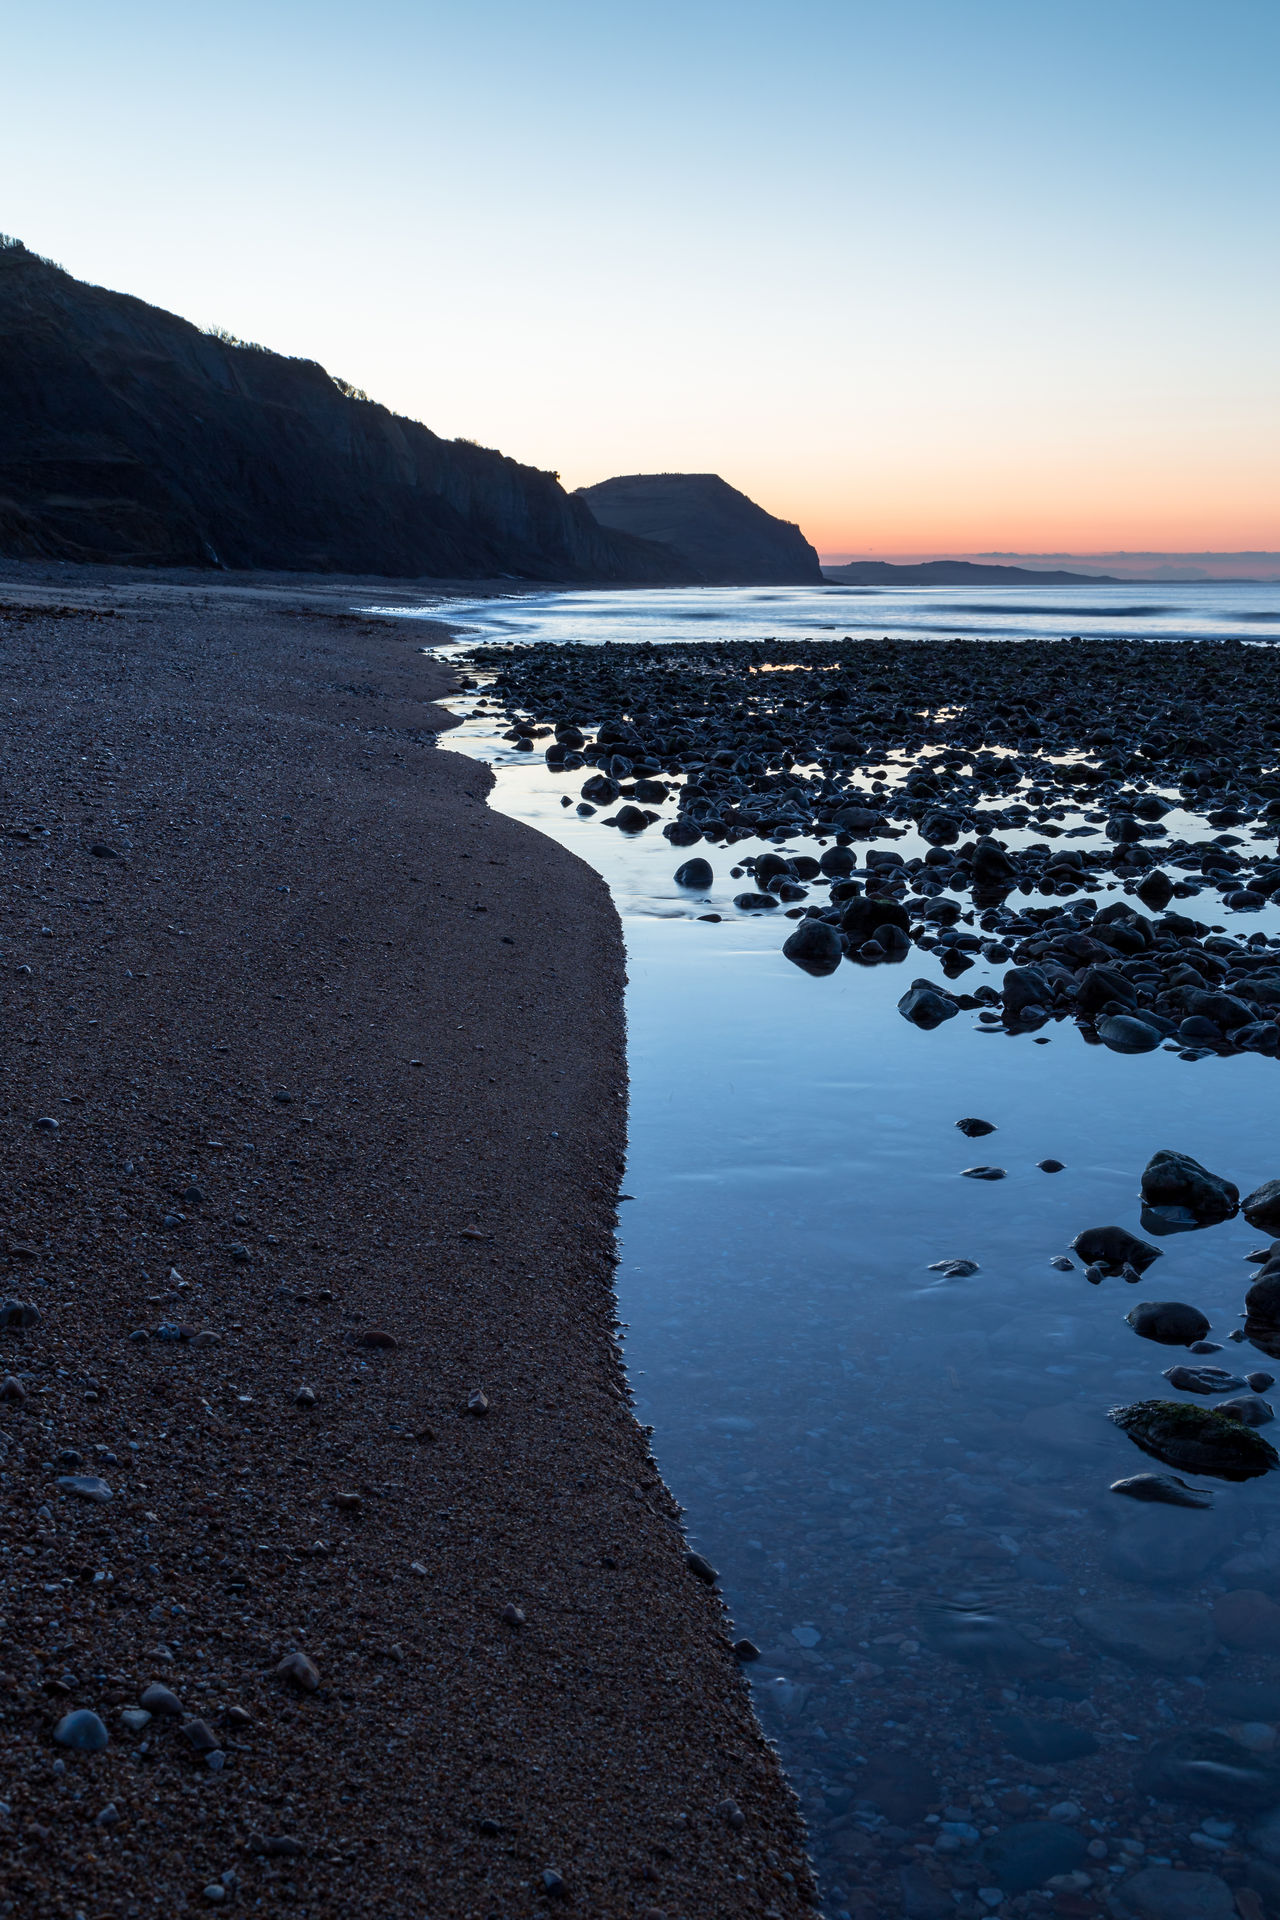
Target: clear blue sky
923	276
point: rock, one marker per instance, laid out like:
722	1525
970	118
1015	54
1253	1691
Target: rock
865	913
1202	1379
975	1128
1249	1407
1044	1742
1051	1166
200	1737
1175	1179
922	1897
12	1390
899	1785
1196	1439
19	1314
1261	1208
377	1339
477	1404
134	1719
299	1671
1163	1488
816	946
1172	1323
1166	1636
1024	987
701	1569
159	1700
985	1641
1259	1382
754	902
1156	1546
513	1616
1114	1248
991	866
630	819
745	1651
85	1486
1256	1566
927	1005
1202	1765
954	1269
82	1731
697	874
1247	1620
1126	1033
600	789
1170	1893
1029	1852
982	1173
304	1397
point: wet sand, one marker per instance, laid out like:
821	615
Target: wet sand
336	1060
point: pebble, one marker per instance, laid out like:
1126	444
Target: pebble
82	1731
299	1671
85	1487
161	1700
304	1397
701	1569
983	1173
513	1615
477	1403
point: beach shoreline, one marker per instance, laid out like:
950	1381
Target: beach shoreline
336	1055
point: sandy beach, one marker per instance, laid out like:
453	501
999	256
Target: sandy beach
315	1121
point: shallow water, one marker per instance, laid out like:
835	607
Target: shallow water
859	1441
1209	610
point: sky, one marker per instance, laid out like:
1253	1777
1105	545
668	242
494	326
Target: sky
935	276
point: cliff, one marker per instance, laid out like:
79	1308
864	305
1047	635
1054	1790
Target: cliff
129	435
723	537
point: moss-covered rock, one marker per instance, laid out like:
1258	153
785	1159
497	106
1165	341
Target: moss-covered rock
1196	1439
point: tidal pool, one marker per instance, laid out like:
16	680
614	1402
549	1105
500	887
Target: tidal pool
998	1687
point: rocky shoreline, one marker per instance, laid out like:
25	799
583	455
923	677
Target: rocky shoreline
322	1497
1062	770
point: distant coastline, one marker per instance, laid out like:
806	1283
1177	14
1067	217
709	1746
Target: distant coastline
1255	568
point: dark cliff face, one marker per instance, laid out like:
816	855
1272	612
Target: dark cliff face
722	535
128	435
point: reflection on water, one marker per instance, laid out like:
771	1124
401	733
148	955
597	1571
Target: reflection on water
1208	610
999	1687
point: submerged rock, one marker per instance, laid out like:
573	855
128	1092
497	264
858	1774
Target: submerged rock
984	1640
1044	1742
1173	1893
975	1129
1163	1488
1201	1764
1202	1379
1166	1636
1196	1439
1029	1852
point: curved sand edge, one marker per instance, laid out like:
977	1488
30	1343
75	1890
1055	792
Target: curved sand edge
438	990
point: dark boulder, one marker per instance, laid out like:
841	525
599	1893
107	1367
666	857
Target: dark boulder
1261	1208
816	946
1175	1179
865	912
1170	1322
1113	1248
927	1005
1196	1439
695	873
